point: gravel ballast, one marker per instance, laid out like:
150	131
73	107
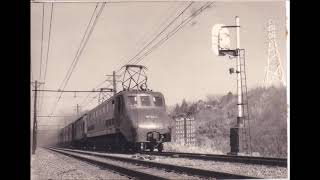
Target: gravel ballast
261	171
46	164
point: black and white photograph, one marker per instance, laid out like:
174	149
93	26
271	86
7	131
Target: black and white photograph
159	89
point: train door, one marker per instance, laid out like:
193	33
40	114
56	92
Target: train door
118	110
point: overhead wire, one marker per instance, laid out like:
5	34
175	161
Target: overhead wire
160	32
170	34
73	65
145	46
82	41
48	49
175	30
41	49
42	32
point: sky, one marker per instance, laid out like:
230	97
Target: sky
184	67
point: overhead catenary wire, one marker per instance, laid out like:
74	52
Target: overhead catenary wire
48	49
80	51
99	1
141	50
175	30
147	36
41	50
170	34
180	14
42	32
82	41
138	59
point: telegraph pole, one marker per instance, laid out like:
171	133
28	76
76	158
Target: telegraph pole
34	135
114	82
78	110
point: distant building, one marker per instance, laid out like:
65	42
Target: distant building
184	129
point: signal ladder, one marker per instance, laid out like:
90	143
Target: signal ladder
246	134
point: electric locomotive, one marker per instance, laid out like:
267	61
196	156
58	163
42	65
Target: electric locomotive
133	119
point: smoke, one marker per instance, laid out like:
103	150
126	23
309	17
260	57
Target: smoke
49	128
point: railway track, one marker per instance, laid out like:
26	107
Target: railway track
141	169
281	162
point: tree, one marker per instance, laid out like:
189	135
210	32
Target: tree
184	106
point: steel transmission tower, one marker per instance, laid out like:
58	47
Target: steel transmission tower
274	71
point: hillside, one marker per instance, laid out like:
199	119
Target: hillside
268	120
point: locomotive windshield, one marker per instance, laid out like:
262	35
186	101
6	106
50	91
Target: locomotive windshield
145	101
157	101
134	101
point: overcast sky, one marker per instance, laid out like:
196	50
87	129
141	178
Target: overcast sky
183	67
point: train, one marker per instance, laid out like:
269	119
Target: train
131	120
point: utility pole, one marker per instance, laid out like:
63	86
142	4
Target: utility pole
114	82
34	135
78	110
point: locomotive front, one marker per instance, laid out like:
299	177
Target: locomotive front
150	122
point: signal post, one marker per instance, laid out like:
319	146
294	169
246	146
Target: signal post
239	136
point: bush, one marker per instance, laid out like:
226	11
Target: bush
268	122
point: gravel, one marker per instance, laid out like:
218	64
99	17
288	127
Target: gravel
261	171
149	170
46	164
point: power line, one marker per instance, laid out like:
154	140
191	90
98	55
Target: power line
159	26
41	50
54	116
80	44
99	1
82	40
49	40
175	30
41	40
48	49
78	55
109	78
146	45
180	14
48	90
160	33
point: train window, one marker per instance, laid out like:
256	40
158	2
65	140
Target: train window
145	100
132	100
157	101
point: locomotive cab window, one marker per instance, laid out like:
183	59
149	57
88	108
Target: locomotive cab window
157	101
132	100
145	100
